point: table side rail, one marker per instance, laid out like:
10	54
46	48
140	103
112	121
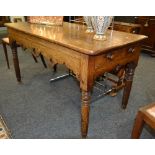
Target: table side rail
51	51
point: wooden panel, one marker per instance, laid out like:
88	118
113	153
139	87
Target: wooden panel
148	29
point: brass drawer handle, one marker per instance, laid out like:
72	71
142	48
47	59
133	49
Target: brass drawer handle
110	56
131	50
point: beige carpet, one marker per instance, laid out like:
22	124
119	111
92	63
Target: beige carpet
4	131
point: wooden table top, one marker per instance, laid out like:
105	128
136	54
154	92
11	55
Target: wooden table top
73	36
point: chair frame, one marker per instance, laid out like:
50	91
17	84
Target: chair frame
143	116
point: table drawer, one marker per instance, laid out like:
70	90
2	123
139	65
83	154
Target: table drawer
111	59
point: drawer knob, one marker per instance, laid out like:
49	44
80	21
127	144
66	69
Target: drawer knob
134	31
110	56
131	50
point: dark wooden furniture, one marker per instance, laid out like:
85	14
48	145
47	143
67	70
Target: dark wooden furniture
87	58
127	27
126	19
3	20
148	29
6	42
146	115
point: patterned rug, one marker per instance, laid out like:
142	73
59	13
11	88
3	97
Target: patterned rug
4	131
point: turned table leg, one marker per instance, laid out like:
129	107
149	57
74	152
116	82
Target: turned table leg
35	59
55	67
85	107
43	61
16	61
129	73
6	54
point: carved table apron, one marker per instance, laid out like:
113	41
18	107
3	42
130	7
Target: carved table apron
87	58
